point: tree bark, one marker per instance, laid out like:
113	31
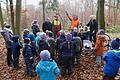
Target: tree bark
43	2
18	16
101	17
12	15
1	17
7	8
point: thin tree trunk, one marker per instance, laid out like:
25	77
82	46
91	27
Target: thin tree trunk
92	5
109	13
43	10
116	12
1	17
7	8
101	18
18	16
12	15
97	11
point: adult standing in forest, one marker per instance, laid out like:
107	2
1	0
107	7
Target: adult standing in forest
7	35
47	25
56	26
74	21
93	28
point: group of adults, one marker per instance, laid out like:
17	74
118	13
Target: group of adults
55	26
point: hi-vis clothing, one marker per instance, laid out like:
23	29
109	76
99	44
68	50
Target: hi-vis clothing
56	25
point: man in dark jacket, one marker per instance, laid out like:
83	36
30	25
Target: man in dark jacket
93	28
7	34
47	25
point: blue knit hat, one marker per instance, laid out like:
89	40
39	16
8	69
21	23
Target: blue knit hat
115	44
101	32
45	55
69	37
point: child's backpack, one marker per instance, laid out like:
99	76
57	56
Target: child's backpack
68	49
27	51
77	41
43	45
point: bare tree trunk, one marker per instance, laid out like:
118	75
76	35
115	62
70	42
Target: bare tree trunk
18	16
92	5
12	15
8	18
109	13
43	10
101	18
116	13
1	17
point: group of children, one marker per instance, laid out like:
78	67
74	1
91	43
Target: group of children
65	51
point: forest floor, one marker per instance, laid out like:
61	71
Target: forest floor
86	70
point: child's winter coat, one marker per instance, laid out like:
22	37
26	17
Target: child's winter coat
47	70
112	60
99	46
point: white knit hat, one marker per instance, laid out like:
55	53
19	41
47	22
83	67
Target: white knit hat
45	55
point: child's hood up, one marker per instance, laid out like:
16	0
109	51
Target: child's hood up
47	65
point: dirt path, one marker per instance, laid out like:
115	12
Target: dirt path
84	71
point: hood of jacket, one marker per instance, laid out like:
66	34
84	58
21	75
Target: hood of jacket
46	65
116	55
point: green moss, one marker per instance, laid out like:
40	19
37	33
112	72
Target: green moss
113	29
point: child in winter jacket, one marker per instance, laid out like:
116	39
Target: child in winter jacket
99	46
78	42
47	69
43	44
51	42
67	53
112	61
25	33
59	42
16	46
28	57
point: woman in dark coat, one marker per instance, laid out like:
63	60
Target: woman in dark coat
93	28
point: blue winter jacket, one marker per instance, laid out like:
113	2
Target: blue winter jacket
31	36
16	45
47	70
112	59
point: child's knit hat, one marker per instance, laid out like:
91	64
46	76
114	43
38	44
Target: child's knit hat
43	36
69	37
115	44
45	55
101	32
